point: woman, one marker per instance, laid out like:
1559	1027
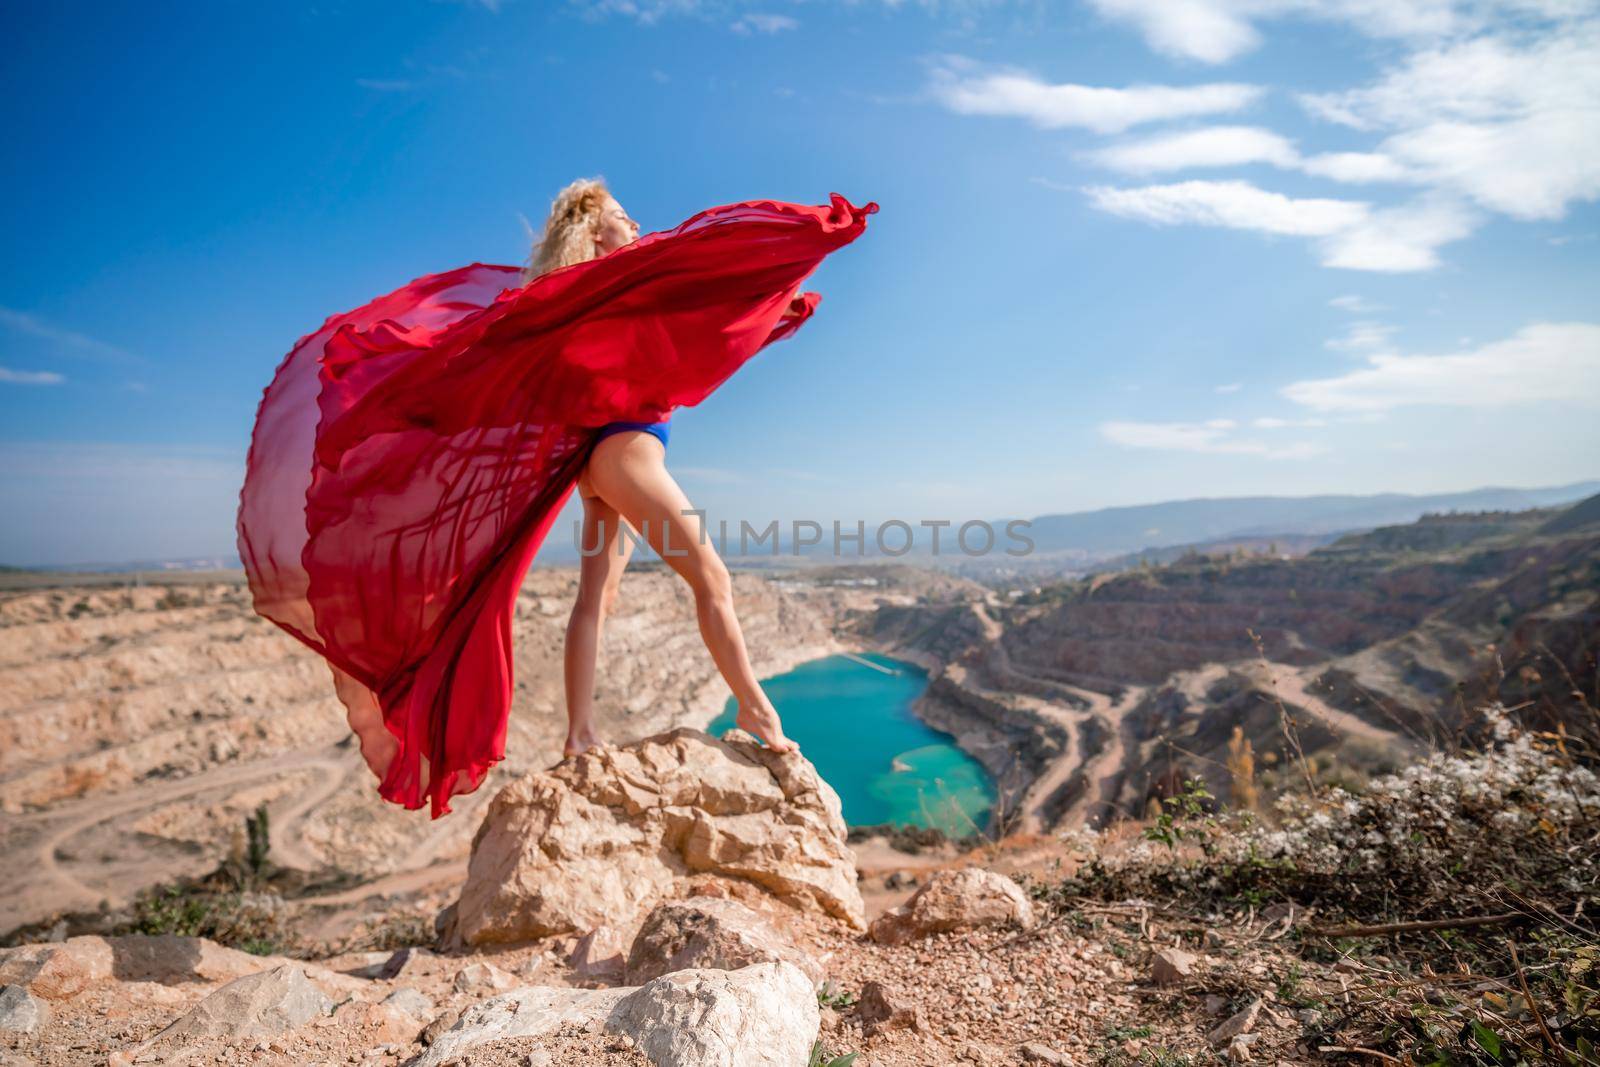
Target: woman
410	456
626	479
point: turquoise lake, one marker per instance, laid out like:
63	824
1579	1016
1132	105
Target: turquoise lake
855	724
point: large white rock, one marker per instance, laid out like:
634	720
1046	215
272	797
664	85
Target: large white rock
764	1015
600	838
526	1012
257	1006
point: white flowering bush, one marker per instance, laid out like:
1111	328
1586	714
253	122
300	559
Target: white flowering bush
1446	865
1516	816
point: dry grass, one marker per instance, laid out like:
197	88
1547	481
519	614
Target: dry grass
1445	914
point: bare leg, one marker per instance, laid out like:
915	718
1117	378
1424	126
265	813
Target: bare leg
629	471
599	577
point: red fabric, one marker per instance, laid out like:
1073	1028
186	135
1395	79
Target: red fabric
410	456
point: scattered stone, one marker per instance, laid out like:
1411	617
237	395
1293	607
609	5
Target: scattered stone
764	1015
20	1011
367	965
377	1023
252	1008
1042	1054
404	962
601	837
57	970
1241	1023
483	979
411	1002
1239	1047
170	958
1171	966
598	956
711	933
955	900
529	1012
883	1007
442	1022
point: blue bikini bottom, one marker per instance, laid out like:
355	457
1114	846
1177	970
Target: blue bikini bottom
660	429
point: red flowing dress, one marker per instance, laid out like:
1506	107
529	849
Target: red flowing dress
410	456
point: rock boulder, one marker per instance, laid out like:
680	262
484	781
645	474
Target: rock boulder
764	1015
709	933
528	1012
883	1007
1171	966
602	837
255	1007
955	900
59	969
20	1011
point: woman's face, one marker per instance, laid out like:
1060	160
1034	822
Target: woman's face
616	228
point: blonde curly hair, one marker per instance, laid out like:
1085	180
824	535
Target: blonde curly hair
570	228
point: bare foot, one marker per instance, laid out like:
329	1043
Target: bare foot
763	722
580	741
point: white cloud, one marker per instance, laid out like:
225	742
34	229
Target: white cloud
755	22
1215	31
23	322
1213	436
1400	239
1357	167
645	12
1232	146
1231	387
1207	30
1356	305
1234	205
962	86
1542	362
1507	120
1513	126
30	377
1273	423
1351	233
1361	335
1210	146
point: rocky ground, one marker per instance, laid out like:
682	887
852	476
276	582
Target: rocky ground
687	901
682	900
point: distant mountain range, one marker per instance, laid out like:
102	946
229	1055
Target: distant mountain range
1129	529
1082	539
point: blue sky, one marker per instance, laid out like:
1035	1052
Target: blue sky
1128	250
